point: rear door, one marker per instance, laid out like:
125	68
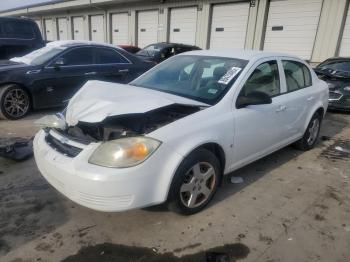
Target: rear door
112	65
299	98
63	76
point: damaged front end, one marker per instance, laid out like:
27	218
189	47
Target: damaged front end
125	143
111	128
128	125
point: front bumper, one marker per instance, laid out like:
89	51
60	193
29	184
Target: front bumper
102	188
341	103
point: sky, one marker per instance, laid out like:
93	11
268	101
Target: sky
10	4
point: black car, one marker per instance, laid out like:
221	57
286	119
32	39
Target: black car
49	76
336	72
18	36
160	51
130	48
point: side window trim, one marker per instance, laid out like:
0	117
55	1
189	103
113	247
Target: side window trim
291	59
95	58
50	64
283	82
251	71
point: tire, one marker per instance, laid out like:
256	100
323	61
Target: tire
311	134
14	102
191	190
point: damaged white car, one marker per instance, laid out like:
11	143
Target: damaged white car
171	134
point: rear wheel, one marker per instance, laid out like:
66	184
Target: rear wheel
311	134
14	102
195	182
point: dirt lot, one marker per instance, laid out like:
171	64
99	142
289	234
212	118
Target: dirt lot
292	206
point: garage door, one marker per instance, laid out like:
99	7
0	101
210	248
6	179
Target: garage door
38	22
183	25
78	28
345	42
292	25
48	29
97	32
147	28
229	25
62	27
120	29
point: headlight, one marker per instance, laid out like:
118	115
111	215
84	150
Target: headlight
54	121
124	152
347	88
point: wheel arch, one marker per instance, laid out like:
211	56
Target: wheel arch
317	109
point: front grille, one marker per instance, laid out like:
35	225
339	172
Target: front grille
334	96
63	148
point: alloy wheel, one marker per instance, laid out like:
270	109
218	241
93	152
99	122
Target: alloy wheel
313	131
16	103
198	185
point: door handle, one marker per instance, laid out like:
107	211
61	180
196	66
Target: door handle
281	108
90	73
310	98
123	70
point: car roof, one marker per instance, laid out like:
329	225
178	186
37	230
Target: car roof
167	44
337	59
70	43
19	19
244	54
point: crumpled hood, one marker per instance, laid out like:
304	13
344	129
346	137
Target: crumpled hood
97	100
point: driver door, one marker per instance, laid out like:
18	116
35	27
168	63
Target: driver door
258	129
63	77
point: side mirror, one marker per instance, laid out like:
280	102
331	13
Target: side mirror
59	62
253	98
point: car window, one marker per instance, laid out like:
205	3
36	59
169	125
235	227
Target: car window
201	78
17	29
109	56
336	65
78	56
265	78
297	75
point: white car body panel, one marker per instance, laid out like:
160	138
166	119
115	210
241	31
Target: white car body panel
98	100
244	135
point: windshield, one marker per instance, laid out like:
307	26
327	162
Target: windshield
151	50
343	66
39	56
205	79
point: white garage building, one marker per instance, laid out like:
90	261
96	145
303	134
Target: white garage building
311	29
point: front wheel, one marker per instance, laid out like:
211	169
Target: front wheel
14	102
195	182
311	134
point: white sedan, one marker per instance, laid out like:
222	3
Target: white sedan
171	134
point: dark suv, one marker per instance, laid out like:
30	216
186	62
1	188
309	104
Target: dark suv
18	36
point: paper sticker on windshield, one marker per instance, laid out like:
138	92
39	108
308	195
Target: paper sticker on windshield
230	74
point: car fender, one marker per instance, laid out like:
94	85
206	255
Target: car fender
313	110
187	148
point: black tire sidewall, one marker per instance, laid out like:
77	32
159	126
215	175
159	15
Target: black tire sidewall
3	93
199	155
